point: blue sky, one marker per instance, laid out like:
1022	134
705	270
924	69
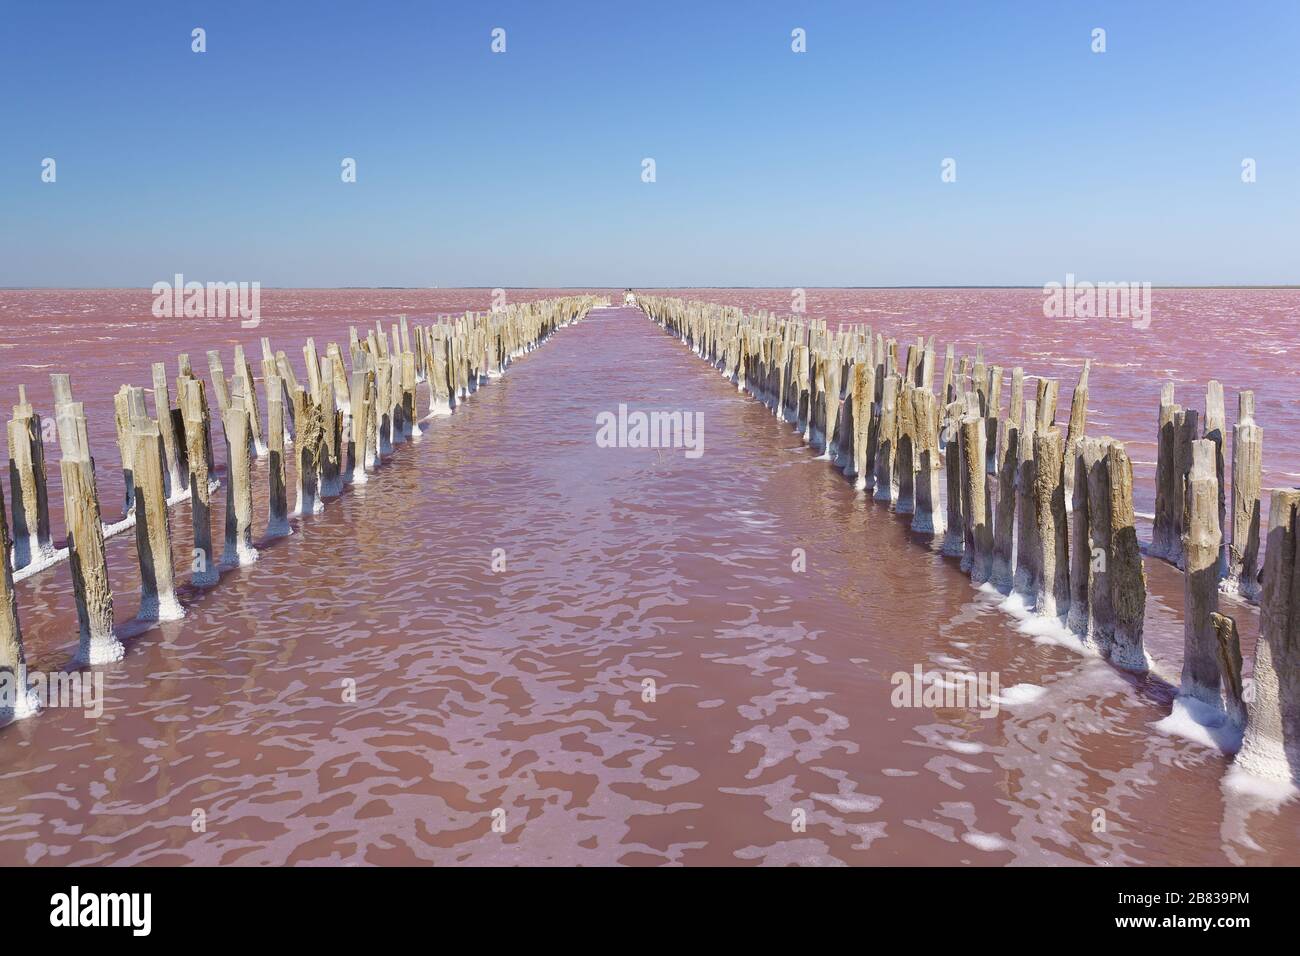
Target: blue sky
524	168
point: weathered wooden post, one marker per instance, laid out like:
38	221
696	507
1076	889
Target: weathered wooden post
1201	540
1028	573
887	442
1216	430
1168	487
239	550
308	447
1229	648
1128	583
1049	507
1078	425
954	535
905	451
16	698
1247	462
125	443
1004	515
1271	747
198	438
173	479
1098	629
152	529
864	390
927	517
98	644
277	524
331	464
244	372
32	538
977	554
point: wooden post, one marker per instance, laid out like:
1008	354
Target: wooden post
174	481
1028	574
16	698
1078	425
1004	515
239	550
1128	583
97	644
1229	648
886	442
1201	540
198	438
331	463
864	390
1092	478
978	551
927	517
1271	747
1247	462
277	524
1168	487
244	372
308	448
1216	430
954	536
1049	508
32	540
152	530
905	451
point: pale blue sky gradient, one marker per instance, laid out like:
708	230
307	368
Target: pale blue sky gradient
524	168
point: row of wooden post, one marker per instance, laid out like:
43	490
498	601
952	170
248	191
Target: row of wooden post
340	424
1008	473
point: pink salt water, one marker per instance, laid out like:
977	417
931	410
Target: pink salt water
518	696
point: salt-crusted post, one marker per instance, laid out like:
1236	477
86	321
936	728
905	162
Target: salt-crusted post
1201	541
355	465
309	448
219	386
1271	747
331	464
239	549
1168	488
244	372
1128	583
1027	577
17	700
152	529
1078	424
1229	653
32	539
1092	479
1049	508
993	419
173	479
905	451
1005	509
198	438
927	517
125	440
86	560
277	523
979	535
1188	433
1216	430
954	535
886	442
1247	461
